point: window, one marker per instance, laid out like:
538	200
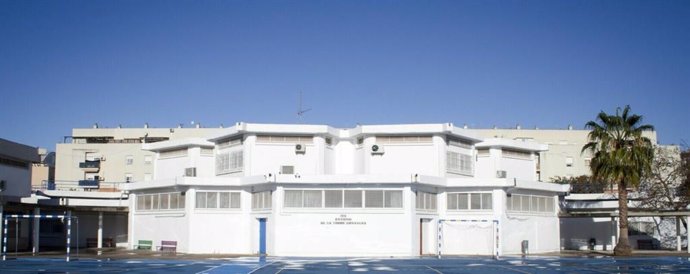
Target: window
459	163
230	142
353	198
530	204
261	200
470	201
214	199
452	141
173	153
569	161
285	139
426	200
373	198
148	159
402	139
160	201
128	177
483	153
333	198
129	160
206	151
338	198
229	162
509	153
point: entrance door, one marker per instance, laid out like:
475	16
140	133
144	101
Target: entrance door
262	236
426	237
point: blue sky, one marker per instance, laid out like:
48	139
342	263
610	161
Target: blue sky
68	64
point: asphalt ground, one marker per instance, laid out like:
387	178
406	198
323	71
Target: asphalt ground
154	262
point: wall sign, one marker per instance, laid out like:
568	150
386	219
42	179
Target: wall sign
342	219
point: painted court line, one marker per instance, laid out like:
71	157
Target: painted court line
257	269
435	270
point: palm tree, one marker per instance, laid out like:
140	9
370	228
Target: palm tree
621	155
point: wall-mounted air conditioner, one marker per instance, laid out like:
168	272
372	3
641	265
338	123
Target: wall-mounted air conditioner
376	149
300	148
287	169
501	173
190	172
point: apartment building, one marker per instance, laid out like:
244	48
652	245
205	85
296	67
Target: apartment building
564	158
315	190
93	156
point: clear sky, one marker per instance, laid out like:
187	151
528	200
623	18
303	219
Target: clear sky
69	64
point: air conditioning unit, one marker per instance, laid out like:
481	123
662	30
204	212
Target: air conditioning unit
102	158
300	148
376	149
287	169
190	172
501	173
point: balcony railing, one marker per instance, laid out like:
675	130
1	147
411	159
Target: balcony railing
90	165
81	185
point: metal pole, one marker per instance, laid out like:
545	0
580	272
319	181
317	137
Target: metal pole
438	238
69	233
4	239
678	240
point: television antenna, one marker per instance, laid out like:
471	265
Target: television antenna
300	110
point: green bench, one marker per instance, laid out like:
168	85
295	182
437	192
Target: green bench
144	244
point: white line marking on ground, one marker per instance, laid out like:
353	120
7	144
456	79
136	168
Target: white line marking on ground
250	272
280	270
516	270
435	270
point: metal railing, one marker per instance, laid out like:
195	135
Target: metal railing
81	185
90	164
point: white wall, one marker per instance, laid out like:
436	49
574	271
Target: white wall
267	158
413	159
519	168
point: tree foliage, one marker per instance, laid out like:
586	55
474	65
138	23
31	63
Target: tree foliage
621	156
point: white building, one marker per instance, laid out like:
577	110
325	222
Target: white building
312	190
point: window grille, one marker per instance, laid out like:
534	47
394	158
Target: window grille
173	153
285	139
333	198
459	163
373	198
353	198
470	201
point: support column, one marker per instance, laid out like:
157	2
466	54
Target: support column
678	239
614	233
37	228
100	229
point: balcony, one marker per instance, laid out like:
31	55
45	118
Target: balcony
89	184
90	166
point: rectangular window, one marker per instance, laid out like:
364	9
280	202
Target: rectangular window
230	142
458	142
173	153
312	198
261	200
211	199
129	177
174	197
293	198
402	139
353	198
224	200
569	161
373	198
470	201
459	163
393	199
475	201
229	162
201	200
509	153
530	204
148	159
284	139
129	160
333	198
427	201
235	200
140	202
165	200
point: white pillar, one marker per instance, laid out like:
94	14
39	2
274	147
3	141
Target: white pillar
100	229
37	229
678	240
614	232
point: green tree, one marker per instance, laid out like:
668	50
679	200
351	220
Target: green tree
621	156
